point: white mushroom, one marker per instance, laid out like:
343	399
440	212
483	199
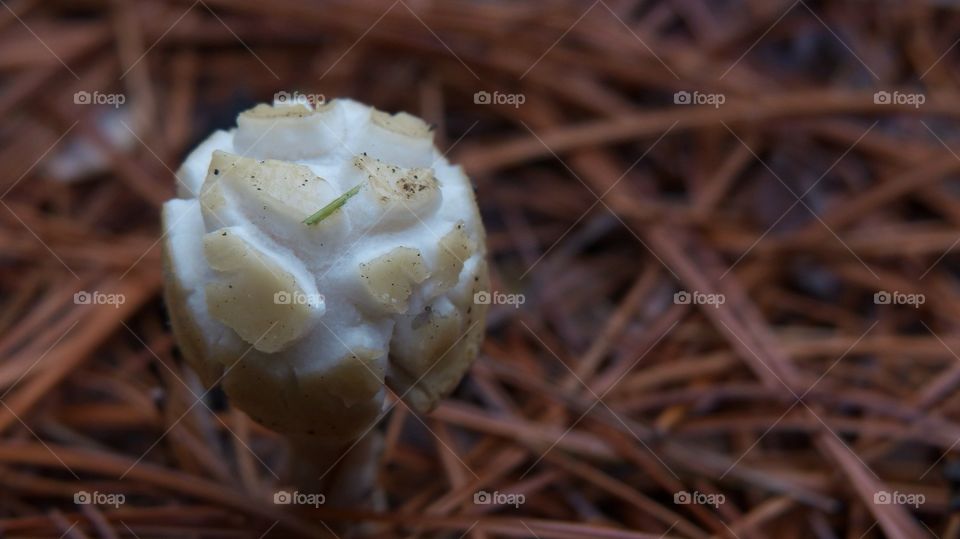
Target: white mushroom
317	255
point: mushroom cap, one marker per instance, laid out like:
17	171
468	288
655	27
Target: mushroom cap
305	325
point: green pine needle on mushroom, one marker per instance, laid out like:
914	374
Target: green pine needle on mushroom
333	206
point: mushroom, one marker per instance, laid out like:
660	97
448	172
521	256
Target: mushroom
314	257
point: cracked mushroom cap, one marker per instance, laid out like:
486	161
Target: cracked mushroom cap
303	324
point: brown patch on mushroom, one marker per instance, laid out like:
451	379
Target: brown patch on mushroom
426	372
281	188
389	278
401	123
299	404
455	248
254	295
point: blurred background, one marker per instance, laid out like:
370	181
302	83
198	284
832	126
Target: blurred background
723	237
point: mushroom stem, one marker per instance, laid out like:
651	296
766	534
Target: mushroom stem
345	473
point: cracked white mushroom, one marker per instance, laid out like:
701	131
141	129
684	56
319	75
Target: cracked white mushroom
316	254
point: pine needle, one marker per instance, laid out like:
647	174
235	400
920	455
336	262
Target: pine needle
333	206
